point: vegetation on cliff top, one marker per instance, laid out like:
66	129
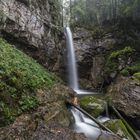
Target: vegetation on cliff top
118	58
20	77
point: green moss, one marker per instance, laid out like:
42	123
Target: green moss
112	63
130	70
125	72
20	77
136	77
97	32
118	127
7	113
92	105
127	51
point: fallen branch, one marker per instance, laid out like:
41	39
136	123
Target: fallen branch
131	131
53	116
94	119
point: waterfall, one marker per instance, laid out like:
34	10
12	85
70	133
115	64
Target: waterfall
72	67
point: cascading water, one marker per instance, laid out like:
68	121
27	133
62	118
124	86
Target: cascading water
72	68
82	123
88	127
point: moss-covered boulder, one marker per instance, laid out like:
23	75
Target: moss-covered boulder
93	105
117	61
118	128
124	94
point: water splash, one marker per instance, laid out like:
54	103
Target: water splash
88	127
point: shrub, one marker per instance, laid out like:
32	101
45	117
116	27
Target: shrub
130	70
112	63
127	51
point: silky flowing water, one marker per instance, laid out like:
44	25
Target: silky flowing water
82	123
72	66
88	127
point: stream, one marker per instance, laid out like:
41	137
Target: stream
88	127
83	124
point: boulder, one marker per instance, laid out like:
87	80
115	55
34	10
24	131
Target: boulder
93	105
125	96
118	128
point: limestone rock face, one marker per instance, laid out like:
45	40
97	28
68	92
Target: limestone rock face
125	95
90	54
30	26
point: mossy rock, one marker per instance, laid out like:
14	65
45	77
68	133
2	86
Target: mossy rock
127	51
136	77
115	58
85	84
92	105
130	70
119	128
20	78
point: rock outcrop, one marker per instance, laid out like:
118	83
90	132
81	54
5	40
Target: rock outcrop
33	26
91	50
125	94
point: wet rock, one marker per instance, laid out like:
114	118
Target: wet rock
56	132
23	129
93	105
90	54
118	128
97	70
125	94
85	84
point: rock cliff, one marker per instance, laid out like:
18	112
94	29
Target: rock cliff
34	27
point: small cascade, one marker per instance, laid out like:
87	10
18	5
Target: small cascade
88	127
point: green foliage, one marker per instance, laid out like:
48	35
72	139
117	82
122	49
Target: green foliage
118	127
130	70
7	113
125	72
127	51
92	105
78	12
136	77
90	12
97	32
27	102
20	77
112	63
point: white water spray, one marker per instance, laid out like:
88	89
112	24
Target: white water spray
88	127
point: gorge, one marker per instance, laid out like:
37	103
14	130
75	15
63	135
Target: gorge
33	73
83	124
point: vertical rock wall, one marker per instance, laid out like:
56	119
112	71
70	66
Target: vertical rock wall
33	26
